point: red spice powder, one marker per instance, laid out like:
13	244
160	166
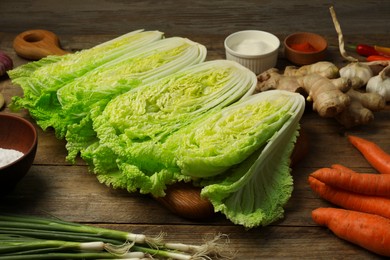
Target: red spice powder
304	47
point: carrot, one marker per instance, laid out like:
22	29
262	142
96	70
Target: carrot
369	231
350	200
363	183
377	157
341	167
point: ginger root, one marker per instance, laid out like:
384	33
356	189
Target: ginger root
360	111
330	94
323	68
327	95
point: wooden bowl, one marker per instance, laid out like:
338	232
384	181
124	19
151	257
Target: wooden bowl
305	48
16	133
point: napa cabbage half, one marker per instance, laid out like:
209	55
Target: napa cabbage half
133	127
41	79
254	138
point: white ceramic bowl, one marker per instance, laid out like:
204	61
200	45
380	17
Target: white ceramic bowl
256	50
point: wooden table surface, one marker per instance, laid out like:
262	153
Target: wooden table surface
55	187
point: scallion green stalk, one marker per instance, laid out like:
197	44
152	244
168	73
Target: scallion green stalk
55	235
23	247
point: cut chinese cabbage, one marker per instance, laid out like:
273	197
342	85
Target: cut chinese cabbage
134	125
41	79
228	137
80	99
253	192
69	108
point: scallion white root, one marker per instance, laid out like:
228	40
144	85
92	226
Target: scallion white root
119	249
211	246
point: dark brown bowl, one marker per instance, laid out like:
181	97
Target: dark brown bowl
19	134
298	57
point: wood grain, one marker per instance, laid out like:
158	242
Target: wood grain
58	188
185	17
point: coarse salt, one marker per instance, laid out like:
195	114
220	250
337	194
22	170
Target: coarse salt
252	47
8	156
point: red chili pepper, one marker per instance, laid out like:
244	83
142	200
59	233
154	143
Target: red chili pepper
366	50
377	58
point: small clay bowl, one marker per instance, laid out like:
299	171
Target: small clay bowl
16	133
305	48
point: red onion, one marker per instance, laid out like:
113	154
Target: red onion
5	63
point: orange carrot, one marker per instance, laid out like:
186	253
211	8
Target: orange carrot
341	167
363	183
377	157
369	231
350	200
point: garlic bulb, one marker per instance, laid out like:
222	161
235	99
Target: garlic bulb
5	63
380	84
357	72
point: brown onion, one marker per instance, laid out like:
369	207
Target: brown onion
5	63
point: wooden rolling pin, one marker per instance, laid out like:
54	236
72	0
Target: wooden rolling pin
37	44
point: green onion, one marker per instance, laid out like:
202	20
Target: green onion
28	237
